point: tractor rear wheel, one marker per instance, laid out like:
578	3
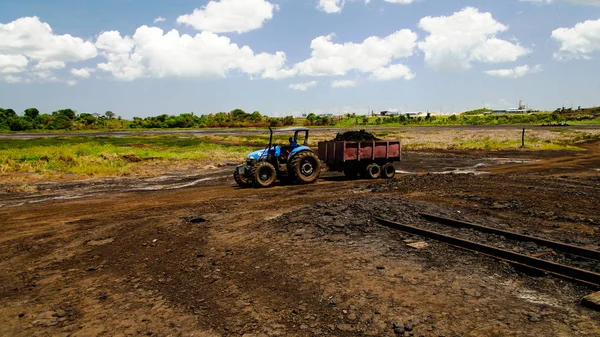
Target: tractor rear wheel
263	174
306	167
240	180
372	171
388	171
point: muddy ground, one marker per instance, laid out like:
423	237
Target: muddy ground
190	254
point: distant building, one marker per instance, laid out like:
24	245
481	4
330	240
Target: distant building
522	109
510	111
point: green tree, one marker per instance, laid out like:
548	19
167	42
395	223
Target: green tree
5	114
65	113
31	113
288	120
311	118
109	114
239	114
87	119
256	117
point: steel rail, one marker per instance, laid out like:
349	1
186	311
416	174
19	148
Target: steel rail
589	253
586	277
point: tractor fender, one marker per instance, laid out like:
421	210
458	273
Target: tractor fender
300	149
297	150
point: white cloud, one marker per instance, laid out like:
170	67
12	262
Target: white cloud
83	72
43	76
395	71
10	64
515	72
400	1
153	53
159	19
71	83
113	42
577	2
538	1
578	42
344	83
303	86
50	65
13	79
227	16
329	59
464	37
29	47
331	6
35	40
586	2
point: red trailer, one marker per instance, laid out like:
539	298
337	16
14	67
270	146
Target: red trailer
371	159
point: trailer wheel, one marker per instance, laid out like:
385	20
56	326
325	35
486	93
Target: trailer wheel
388	171
372	171
240	180
306	167
351	172
263	174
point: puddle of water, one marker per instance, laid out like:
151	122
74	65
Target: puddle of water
529	295
39	200
503	161
459	171
159	178
100	242
69	197
272	217
404	172
535	298
525	161
195	182
167	187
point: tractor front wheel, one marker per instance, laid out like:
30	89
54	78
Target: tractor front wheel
263	174
305	167
240	179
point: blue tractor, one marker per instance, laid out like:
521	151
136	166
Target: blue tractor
290	163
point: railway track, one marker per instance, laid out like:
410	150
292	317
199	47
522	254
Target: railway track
579	275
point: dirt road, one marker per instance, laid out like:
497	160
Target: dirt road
195	255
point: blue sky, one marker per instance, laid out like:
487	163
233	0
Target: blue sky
290	56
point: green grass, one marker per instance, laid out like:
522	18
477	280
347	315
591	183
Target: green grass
109	155
490	144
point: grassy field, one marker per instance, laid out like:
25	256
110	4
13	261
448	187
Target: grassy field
84	157
451	139
94	156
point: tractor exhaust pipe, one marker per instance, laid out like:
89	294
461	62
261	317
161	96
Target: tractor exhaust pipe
270	145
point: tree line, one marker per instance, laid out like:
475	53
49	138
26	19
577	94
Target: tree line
69	119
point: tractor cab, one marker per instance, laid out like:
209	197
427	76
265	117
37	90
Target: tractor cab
293	161
300	138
